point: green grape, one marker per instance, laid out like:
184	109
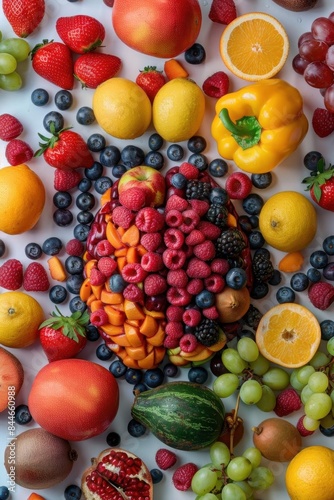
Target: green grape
276	378
261	478
304	373
305	394
17	47
328	421
248	349
225	385
250	392
13	81
239	469
318	405
254	456
233	362
319	359
0	36
219	454
294	381
233	492
332	398
207	496
330	346
310	424
318	382
246	488
203	481
7	63
260	366
268	399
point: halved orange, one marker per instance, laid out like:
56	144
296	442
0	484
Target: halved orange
288	335
254	46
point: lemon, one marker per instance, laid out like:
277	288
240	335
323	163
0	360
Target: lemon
288	221
310	474
122	108
20	318
178	110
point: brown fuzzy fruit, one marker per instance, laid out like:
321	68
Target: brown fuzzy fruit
232	304
41	459
277	439
296	5
11	378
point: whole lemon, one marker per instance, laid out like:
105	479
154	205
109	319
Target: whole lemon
310	474
122	108
288	221
22	199
20	318
178	110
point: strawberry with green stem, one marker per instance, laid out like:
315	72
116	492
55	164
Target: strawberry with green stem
81	33
321	185
53	62
150	80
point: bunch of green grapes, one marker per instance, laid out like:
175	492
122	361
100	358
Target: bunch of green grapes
229	477
12	52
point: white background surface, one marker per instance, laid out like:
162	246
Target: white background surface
286	176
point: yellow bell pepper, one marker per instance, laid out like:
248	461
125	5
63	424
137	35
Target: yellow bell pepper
259	125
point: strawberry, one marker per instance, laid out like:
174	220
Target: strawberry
321	186
18	151
322	122
24	15
222	11
53	61
65	150
35	278
10	127
150	80
63	337
81	33
11	274
95	68
64	180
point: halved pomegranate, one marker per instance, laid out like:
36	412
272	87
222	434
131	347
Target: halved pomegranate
117	474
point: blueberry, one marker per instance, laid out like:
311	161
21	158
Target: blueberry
327	431
73	283
328	271
63	99
92	333
96	142
236	278
312	159
195	54
102	184
84	185
85	201
313	274
259	290
175	152
22	415
135	428
85	217
155	142
205	299
132	156
4	493
264	252
94	172
155	160
285	294
198	375
133	376
72	492
327	329
77	304
196	144
156	475
254	220
219	196
2	248
118	170
256	240
74	264
40	97
328	245
80	232
117	283
199	160
262	181
33	251
245	223
154	377
62	199
179	181
299	282
52	245
113	439
110	156
140	387
170	370
117	368
319	259
276	278
103	352
85	115
252	204
218	167
53	122
63	217
57	294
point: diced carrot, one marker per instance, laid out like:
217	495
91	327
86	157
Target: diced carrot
132	256
174	69
86	290
56	268
131	236
291	262
116	318
113	236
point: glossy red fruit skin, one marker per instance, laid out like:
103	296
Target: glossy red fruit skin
225	436
53	61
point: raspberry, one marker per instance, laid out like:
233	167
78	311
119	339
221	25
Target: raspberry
198	268
192	317
210	230
195	286
210	312
64	180
174	218
220	266
165	459
99	317
133	293
35	278
151	262
151	241
173	238
189	171
177	277
205	250
222	11
301	429
216	85
194	238
174	329
287	402
183	475
18	151
173	259
323	122
215	283
175	202
190	219
10	127
178	296
74	247
170	342
122	216
97	277
200	206
107	266
11	274
174	313
188	342
104	248
321	295
154	284
133	273
132	198
238	185
150	220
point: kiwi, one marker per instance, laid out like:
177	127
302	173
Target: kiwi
296	5
37	459
277	439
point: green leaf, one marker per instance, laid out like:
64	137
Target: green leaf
246	131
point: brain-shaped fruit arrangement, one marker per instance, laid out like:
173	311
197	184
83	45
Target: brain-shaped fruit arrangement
156	262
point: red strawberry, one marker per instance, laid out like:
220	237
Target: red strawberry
64	180
95	68
321	186
216	85
63	337
222	11
80	33
11	274
18	152
35	278
150	80
23	15
10	127
65	150
53	61
323	122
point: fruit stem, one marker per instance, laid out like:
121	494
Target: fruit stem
233	423
246	131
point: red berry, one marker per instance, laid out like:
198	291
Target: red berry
18	151
195	286
10	127
177	277
152	262
215	283
200	206
183	475
174	218
132	198
104	247
211	312
151	241
35	278
205	250
64	180
210	230
99	317
216	85
150	220
173	238
155	284
107	266
11	274
174	259
222	11
321	295
287	402
133	273
165	459
197	268
192	317
301	429
122	216
170	342
174	329
74	247
190	219
133	293
220	266
188	342
175	202
178	296
97	277
195	237
323	122
189	171
238	185
174	313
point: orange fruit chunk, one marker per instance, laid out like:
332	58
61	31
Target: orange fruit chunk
254	46
289	335
291	262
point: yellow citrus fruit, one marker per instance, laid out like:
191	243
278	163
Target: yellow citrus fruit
288	221
22	198
310	474
122	108
20	318
178	110
288	335
254	46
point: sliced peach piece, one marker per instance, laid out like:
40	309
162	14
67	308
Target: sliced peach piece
89	266
96	304
291	262
155	314
201	356
130	362
133	335
117	349
121	231
113	330
134	322
121	262
120	340
178	360
85	290
105	197
115	316
148	362
133	310
113	236
141	250
97	289
231	220
131	237
136	352
121	252
56	268
159	354
220	344
132	256
158	338
149	326
90	299
35	496
111	297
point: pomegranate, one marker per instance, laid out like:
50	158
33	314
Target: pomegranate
117	474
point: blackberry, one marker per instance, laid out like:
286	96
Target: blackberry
263	269
198	190
230	243
252	317
207	332
217	214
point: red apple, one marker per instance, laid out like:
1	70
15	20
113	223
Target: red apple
149	180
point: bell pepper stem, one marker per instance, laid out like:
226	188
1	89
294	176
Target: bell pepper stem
246	131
